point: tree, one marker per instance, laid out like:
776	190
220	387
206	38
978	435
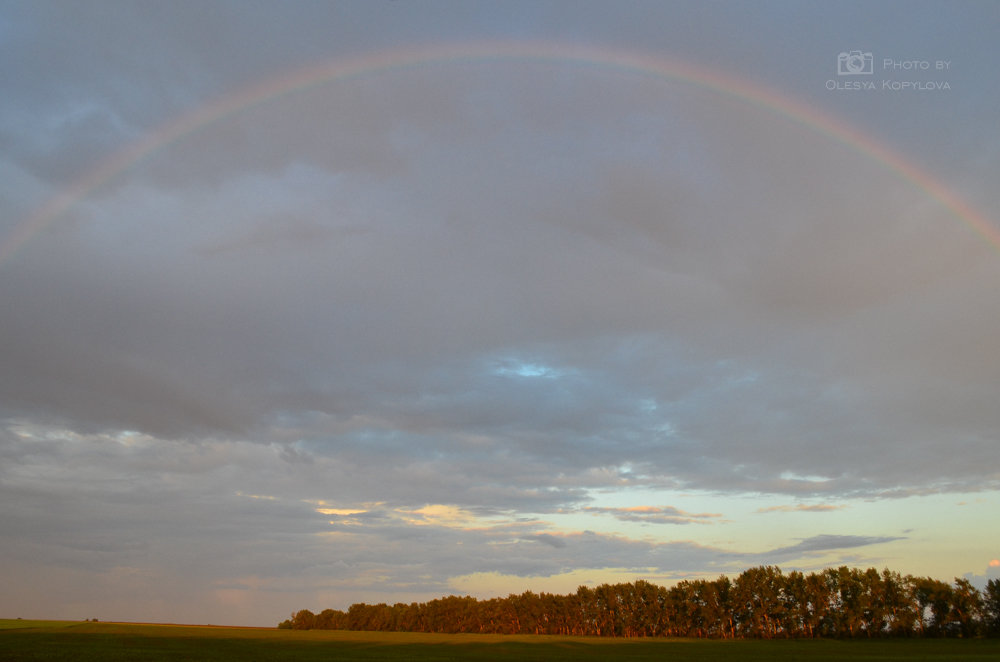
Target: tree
896	593
756	602
991	607
724	595
330	619
823	596
853	602
760	603
606	610
933	598
966	605
303	620
798	606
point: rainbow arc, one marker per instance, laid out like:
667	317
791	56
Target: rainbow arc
584	56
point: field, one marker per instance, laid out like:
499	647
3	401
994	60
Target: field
82	642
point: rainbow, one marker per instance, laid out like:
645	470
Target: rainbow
383	61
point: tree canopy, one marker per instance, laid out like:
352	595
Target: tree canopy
762	602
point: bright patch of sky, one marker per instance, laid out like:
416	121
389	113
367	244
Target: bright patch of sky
514	368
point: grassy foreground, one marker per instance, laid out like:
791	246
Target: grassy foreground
83	642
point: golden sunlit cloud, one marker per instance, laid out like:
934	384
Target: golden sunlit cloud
995	563
264	497
327	508
437	514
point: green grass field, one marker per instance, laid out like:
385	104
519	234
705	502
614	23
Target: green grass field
83	642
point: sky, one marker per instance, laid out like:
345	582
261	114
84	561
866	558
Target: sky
312	303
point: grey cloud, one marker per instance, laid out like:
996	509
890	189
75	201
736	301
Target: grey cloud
655	515
503	285
802	507
990	572
825	543
550	540
208	511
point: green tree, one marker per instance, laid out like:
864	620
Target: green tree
756	600
330	619
897	598
853	602
303	620
798	605
966	606
991	607
933	598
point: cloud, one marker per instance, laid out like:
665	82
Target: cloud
548	539
990	573
289	299
654	515
826	543
802	507
424	309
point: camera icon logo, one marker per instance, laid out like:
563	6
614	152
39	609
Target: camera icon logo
855	63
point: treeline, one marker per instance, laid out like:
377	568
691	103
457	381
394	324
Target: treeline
761	602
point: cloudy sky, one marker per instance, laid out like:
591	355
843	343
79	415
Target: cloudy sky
311	303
